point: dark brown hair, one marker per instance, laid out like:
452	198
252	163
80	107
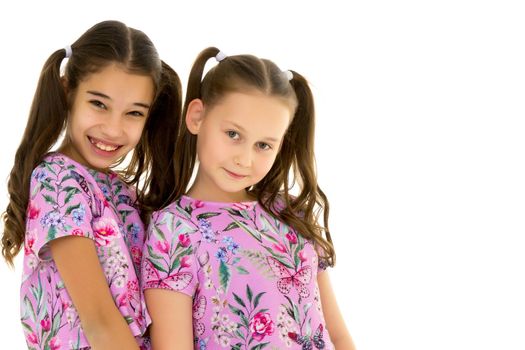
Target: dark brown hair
245	73
105	43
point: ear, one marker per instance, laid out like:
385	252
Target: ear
64	83
195	116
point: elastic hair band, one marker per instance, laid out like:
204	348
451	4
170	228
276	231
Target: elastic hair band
220	56
69	51
288	74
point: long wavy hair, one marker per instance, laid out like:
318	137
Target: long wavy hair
105	43
307	212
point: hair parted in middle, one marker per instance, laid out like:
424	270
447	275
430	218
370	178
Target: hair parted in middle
306	212
105	43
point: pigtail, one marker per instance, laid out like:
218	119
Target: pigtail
46	121
297	156
311	197
156	150
186	146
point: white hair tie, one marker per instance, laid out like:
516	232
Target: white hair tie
288	74
220	56
69	51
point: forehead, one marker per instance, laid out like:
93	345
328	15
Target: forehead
117	83
258	114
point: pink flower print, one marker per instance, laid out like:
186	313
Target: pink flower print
112	175
105	231
242	206
122	299
32	338
198	204
261	325
184	240
291	237
136	255
280	247
28	246
102	199
185	261
302	256
78	232
54	343
33	211
163	246
46	324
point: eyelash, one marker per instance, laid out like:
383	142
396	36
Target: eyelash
234	135
98	104
101	105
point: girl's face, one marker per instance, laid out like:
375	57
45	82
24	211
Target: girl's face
107	116
238	141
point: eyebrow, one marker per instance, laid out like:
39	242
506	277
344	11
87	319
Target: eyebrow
269	139
100	94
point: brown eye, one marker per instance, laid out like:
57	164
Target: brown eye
98	104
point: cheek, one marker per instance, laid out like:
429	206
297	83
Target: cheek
265	163
135	132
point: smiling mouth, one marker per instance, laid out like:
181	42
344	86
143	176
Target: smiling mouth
235	175
103	146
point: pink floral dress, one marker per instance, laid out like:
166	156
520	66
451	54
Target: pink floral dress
252	278
67	199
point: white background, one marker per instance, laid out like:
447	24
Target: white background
420	145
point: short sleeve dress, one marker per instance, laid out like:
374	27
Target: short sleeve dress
252	278
68	199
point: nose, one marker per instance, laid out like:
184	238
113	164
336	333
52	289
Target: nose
243	158
113	127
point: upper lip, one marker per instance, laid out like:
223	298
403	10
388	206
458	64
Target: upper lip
234	173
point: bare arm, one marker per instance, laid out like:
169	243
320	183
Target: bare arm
335	323
78	265
172	321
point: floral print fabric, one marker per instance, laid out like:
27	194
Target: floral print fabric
252	278
67	199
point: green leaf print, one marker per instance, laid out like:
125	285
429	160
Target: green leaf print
124	214
51	234
231	226
241	270
129	319
249	293
257	299
258	260
152	254
56	324
157	266
224	275
235	310
207	215
260	346
49	168
184	213
49	199
71	208
27	327
29	306
70	194
158	233
239	300
248	229
169	219
48	186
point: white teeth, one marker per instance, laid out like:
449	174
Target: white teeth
104	147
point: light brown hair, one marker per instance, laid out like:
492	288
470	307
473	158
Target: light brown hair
244	73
